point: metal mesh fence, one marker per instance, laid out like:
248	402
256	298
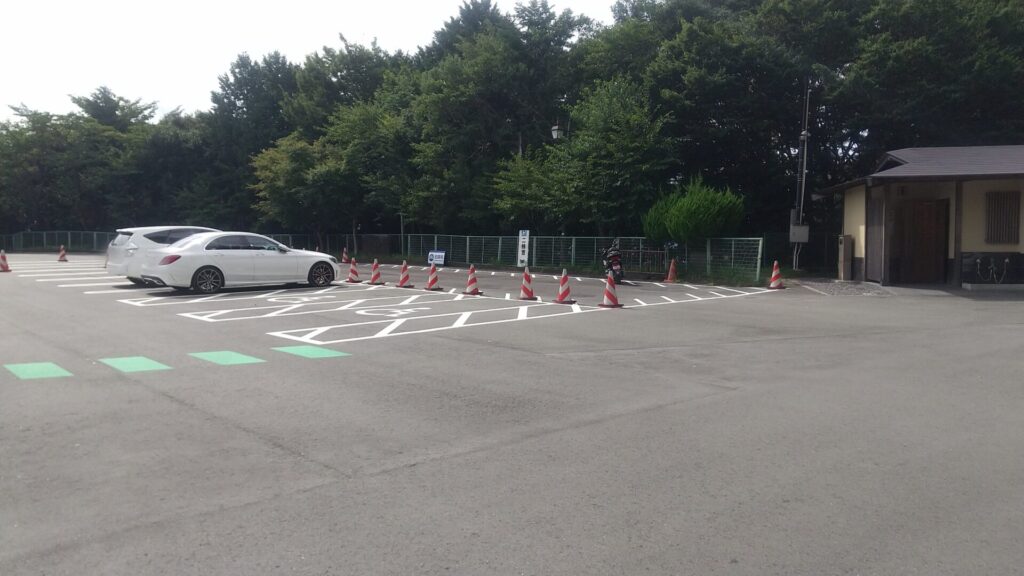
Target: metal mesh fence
73	241
722	260
713	260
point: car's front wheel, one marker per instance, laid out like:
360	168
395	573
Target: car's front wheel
207	280
321	274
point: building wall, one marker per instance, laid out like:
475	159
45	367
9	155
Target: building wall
854	215
973	239
983	263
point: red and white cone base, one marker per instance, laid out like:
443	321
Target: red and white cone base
610	299
403	277
471	286
526	291
432	284
375	274
563	290
776	281
353	273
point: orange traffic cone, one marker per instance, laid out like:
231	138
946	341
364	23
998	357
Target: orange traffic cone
403	276
3	262
526	292
776	282
563	290
375	274
610	299
471	287
353	273
63	255
344	255
432	283
671	277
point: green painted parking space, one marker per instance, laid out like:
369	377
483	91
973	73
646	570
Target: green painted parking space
35	370
226	358
311	351
134	364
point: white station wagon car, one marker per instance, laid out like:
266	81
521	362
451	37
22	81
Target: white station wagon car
210	261
127	251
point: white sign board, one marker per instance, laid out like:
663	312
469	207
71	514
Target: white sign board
523	254
436	257
799	233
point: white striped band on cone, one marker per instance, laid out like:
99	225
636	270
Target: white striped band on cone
375	274
471	287
4	267
344	255
526	291
563	290
63	255
432	283
403	276
610	299
776	281
353	273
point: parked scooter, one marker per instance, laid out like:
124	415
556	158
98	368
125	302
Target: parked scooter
611	259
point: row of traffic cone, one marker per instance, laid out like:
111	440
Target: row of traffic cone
610	299
62	256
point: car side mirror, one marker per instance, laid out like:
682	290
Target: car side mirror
282	249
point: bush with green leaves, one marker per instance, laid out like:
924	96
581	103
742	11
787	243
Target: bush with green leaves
693	212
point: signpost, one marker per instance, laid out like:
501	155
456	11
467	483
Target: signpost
523	255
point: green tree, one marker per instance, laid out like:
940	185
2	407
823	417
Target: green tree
693	212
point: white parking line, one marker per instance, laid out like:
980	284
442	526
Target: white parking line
658	285
75	272
91	284
691	287
668	299
639	301
717	294
694	297
86	278
729	289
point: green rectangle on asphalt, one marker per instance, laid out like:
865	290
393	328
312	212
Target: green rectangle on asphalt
35	370
134	364
226	358
311	351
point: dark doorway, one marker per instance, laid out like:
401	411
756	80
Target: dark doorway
921	242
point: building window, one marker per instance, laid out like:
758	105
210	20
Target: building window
1002	217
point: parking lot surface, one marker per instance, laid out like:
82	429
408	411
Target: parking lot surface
360	429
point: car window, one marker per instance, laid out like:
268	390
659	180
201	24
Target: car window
260	243
229	243
181	233
121	239
160	237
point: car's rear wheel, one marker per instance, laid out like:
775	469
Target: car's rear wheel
321	274
207	280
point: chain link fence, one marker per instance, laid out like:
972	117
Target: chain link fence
714	260
53	240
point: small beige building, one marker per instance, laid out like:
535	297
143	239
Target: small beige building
938	215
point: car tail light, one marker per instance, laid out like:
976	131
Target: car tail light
169	259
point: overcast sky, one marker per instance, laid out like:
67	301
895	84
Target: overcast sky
172	52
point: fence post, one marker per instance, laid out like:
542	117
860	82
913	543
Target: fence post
707	261
573	250
534	252
732	259
467	249
760	254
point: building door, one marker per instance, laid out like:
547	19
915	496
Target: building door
874	238
923	237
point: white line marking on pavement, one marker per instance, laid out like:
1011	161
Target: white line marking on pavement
508	296
76	272
729	289
578	279
577	308
121	291
456	270
76	279
802	285
409	300
658	285
90	284
639	301
461	320
666	298
717	294
492	273
694	297
522	313
691	287
390	328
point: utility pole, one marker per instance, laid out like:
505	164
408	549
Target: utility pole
801	180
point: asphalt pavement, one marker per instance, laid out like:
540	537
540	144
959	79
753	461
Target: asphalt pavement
375	430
